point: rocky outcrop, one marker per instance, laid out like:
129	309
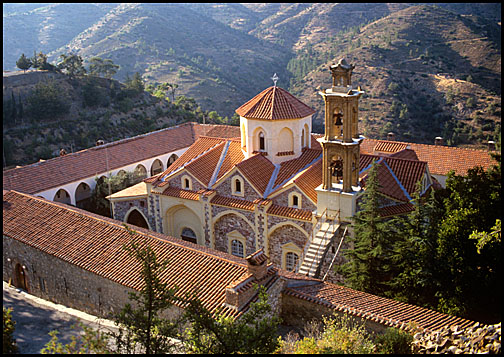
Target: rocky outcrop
484	339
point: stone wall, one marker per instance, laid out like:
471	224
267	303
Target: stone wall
282	235
177	181
55	280
298	312
122	207
225	188
477	339
229	223
283	199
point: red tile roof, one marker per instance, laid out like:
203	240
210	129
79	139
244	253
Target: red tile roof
180	193
396	209
257	170
290	212
274	103
441	159
232	202
310	179
375	308
233	156
86	163
94	243
204	168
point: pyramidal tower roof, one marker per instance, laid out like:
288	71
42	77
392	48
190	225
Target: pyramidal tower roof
274	103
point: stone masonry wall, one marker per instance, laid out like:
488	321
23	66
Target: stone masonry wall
177	181
122	207
53	279
280	236
225	189
229	223
283	200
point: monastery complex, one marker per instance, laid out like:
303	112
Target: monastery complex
268	202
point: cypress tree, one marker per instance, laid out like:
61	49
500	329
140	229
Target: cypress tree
369	262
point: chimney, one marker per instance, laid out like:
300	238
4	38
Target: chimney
391	136
99	142
491	145
257	264
62	152
438	141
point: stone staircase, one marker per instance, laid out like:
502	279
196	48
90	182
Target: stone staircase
314	251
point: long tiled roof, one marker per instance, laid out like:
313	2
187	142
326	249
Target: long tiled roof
274	103
290	212
441	159
375	308
258	171
94	243
72	167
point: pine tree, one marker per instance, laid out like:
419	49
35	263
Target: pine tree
369	262
23	63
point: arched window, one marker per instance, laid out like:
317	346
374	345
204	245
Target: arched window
291	260
262	145
157	167
237	186
237	248
302	139
188	235
294	200
186	182
171	160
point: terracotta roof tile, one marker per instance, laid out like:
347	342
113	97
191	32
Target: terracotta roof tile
310	179
405	154
232	202
234	156
373	307
94	243
440	159
390	146
180	193
292	167
274	103
290	212
204	167
201	145
257	170
409	172
396	209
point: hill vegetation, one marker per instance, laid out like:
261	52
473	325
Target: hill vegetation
427	70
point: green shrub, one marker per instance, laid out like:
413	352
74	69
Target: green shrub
9	343
394	341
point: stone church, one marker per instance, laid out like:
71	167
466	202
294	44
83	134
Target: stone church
277	186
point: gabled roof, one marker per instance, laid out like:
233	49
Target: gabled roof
258	171
86	163
274	103
441	159
97	246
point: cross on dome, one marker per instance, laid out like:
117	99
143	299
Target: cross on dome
275	79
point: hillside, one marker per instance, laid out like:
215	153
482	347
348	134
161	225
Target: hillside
80	112
426	73
412	60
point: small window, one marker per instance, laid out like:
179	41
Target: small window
302	139
291	260
237	186
237	248
186	183
262	146
295	201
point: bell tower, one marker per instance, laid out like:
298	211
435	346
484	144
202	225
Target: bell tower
341	142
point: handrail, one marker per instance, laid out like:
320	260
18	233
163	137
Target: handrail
335	254
309	241
320	244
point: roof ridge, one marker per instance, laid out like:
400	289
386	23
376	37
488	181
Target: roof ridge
397	180
219	164
113	222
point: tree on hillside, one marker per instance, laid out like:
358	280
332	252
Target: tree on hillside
40	62
47	101
369	262
105	67
23	63
136	84
72	65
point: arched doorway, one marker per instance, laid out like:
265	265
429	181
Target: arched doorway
62	196
140	172
82	195
137	219
180	221
157	167
20	280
